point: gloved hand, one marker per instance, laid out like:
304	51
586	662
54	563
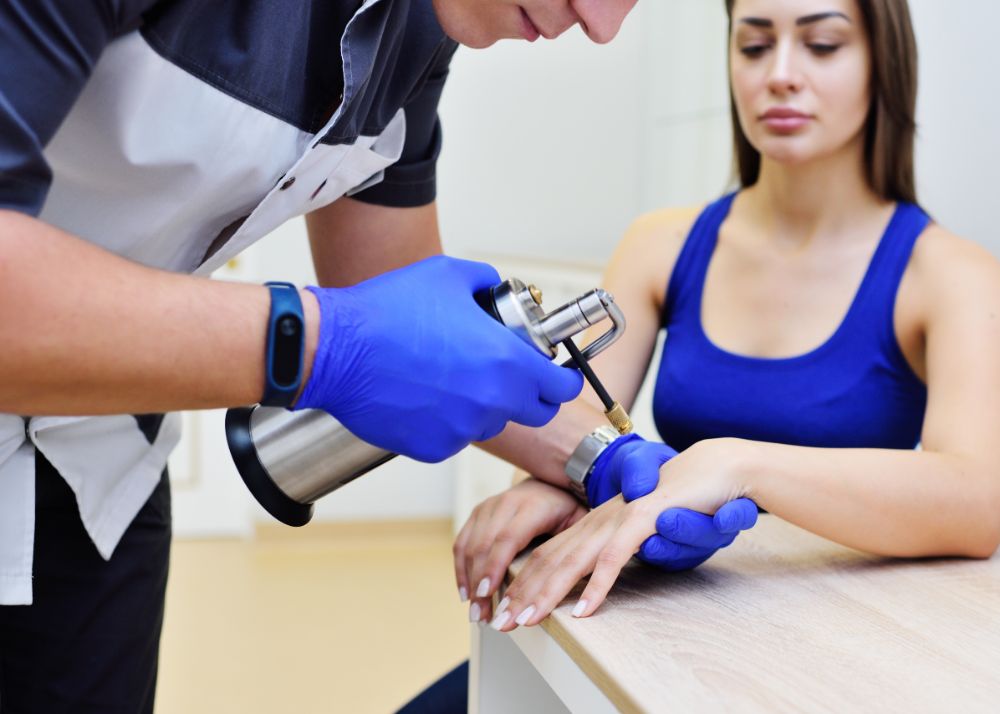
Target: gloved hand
685	539
410	363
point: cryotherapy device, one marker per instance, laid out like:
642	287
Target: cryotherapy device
289	459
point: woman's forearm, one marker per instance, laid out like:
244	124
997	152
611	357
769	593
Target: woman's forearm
898	503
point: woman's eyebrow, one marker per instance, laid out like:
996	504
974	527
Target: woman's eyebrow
810	19
806	20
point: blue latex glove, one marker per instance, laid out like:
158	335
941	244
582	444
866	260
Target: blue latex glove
605	480
684	539
410	363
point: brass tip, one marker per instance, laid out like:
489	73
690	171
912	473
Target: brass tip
536	294
619	418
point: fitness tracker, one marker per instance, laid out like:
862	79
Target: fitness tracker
285	346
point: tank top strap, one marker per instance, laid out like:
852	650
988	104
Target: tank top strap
876	300
684	287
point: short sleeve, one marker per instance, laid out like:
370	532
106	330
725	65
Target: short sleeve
412	181
48	49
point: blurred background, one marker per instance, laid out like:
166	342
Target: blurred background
550	151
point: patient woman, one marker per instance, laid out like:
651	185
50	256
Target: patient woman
819	326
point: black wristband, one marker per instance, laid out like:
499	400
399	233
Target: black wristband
285	346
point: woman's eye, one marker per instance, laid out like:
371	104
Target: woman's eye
753	51
819	48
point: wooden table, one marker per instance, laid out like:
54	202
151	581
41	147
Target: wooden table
782	621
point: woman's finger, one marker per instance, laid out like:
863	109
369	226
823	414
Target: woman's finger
510	540
481	610
458	550
495	512
549	575
619	549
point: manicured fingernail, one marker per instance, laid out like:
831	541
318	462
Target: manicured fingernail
525	615
580	607
484	588
500	620
474	612
463	594
503	605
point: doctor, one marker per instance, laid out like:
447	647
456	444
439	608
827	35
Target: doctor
143	143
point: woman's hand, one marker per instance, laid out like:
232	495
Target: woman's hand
702	478
498	529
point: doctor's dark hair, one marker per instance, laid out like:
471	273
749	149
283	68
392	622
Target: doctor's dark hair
891	125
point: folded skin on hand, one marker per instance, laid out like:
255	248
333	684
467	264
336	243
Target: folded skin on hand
699	481
684	538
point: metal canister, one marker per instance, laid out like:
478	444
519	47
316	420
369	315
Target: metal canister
289	459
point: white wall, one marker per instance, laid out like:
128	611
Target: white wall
958	149
542	149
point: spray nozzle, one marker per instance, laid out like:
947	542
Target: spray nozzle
519	307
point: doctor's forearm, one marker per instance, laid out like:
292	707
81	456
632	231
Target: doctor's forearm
87	332
897	503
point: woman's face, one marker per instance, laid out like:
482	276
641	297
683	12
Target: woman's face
800	72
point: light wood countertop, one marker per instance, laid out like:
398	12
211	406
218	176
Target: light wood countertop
783	620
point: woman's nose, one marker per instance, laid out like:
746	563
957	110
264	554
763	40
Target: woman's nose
601	19
785	75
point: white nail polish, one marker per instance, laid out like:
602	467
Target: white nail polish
484	588
463	594
503	605
500	620
474	612
526	615
580	607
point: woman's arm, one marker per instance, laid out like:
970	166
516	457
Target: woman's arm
942	500
905	504
945	499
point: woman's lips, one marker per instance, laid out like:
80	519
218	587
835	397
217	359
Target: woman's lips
783	120
528	29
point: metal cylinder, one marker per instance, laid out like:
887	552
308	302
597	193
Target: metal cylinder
309	452
288	459
572	318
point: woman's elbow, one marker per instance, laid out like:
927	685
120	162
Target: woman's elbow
987	545
983	542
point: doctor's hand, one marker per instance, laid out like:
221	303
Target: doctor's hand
409	362
684	538
703	478
498	529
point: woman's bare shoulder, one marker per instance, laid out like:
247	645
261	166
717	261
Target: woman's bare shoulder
658	236
667	225
645	257
954	272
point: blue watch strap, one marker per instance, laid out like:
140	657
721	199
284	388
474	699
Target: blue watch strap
285	346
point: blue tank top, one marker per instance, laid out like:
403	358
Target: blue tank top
854	390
